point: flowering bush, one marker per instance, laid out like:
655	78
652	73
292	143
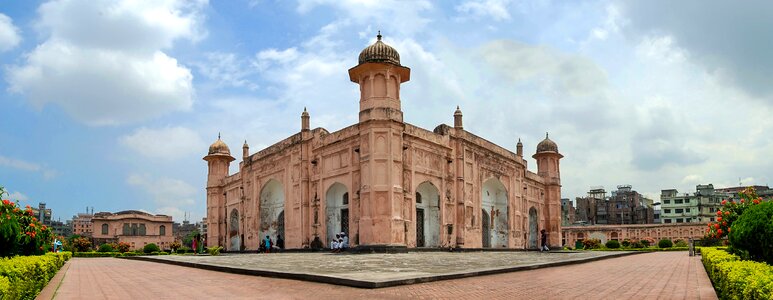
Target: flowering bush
20	232
730	212
591	244
647	241
175	245
81	244
123	247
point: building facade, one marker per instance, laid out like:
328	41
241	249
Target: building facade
701	206
81	224
383	181
624	206
683	231
134	227
567	212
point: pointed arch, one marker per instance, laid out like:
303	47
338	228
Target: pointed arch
272	204
494	202
427	215
533	227
233	230
336	210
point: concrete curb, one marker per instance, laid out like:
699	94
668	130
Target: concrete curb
49	291
376	284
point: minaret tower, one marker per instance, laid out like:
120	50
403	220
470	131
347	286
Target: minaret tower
547	157
218	160
379	75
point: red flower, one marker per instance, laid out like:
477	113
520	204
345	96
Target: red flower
44	227
724	223
719	231
719	213
719	219
724	202
728	230
727	213
756	201
6	202
32	224
716	226
741	201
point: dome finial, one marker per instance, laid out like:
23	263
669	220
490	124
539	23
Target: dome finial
379	35
546	135
218	135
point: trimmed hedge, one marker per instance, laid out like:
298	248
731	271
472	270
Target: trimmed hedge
612	244
650	249
665	243
737	279
23	277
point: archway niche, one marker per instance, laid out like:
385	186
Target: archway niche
336	211
427	215
533	228
494	203
272	204
233	231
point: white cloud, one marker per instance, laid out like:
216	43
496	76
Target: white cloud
661	49
169	143
227	70
104	63
381	14
9	34
23	165
170	196
495	9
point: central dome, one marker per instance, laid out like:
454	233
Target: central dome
379	53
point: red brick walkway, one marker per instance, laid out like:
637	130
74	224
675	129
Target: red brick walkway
664	275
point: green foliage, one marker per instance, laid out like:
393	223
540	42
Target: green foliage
22	277
214	250
647	241
612	244
591	244
680	243
95	254
20	232
737	279
752	233
626	243
106	248
649	249
150	248
665	243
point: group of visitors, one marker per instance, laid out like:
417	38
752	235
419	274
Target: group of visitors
340	243
267	244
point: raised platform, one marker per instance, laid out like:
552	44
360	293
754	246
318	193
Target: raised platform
380	270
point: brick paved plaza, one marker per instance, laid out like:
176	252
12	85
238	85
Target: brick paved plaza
663	275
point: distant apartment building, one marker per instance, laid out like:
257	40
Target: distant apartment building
701	206
624	206
567	212
81	224
627	206
134	227
732	192
184	229
44	215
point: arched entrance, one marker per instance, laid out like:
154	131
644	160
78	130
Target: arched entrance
272	204
533	228
494	203
233	232
485	224
427	215
336	211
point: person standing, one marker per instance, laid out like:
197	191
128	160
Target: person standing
544	241
280	243
267	244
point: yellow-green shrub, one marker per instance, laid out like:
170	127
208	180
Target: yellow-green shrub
22	277
737	279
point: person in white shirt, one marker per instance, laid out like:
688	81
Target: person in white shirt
334	245
345	241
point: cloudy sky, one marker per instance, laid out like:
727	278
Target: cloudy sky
112	104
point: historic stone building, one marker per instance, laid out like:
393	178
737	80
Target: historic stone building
387	183
684	231
134	227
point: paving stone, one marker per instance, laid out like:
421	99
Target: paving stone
661	275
